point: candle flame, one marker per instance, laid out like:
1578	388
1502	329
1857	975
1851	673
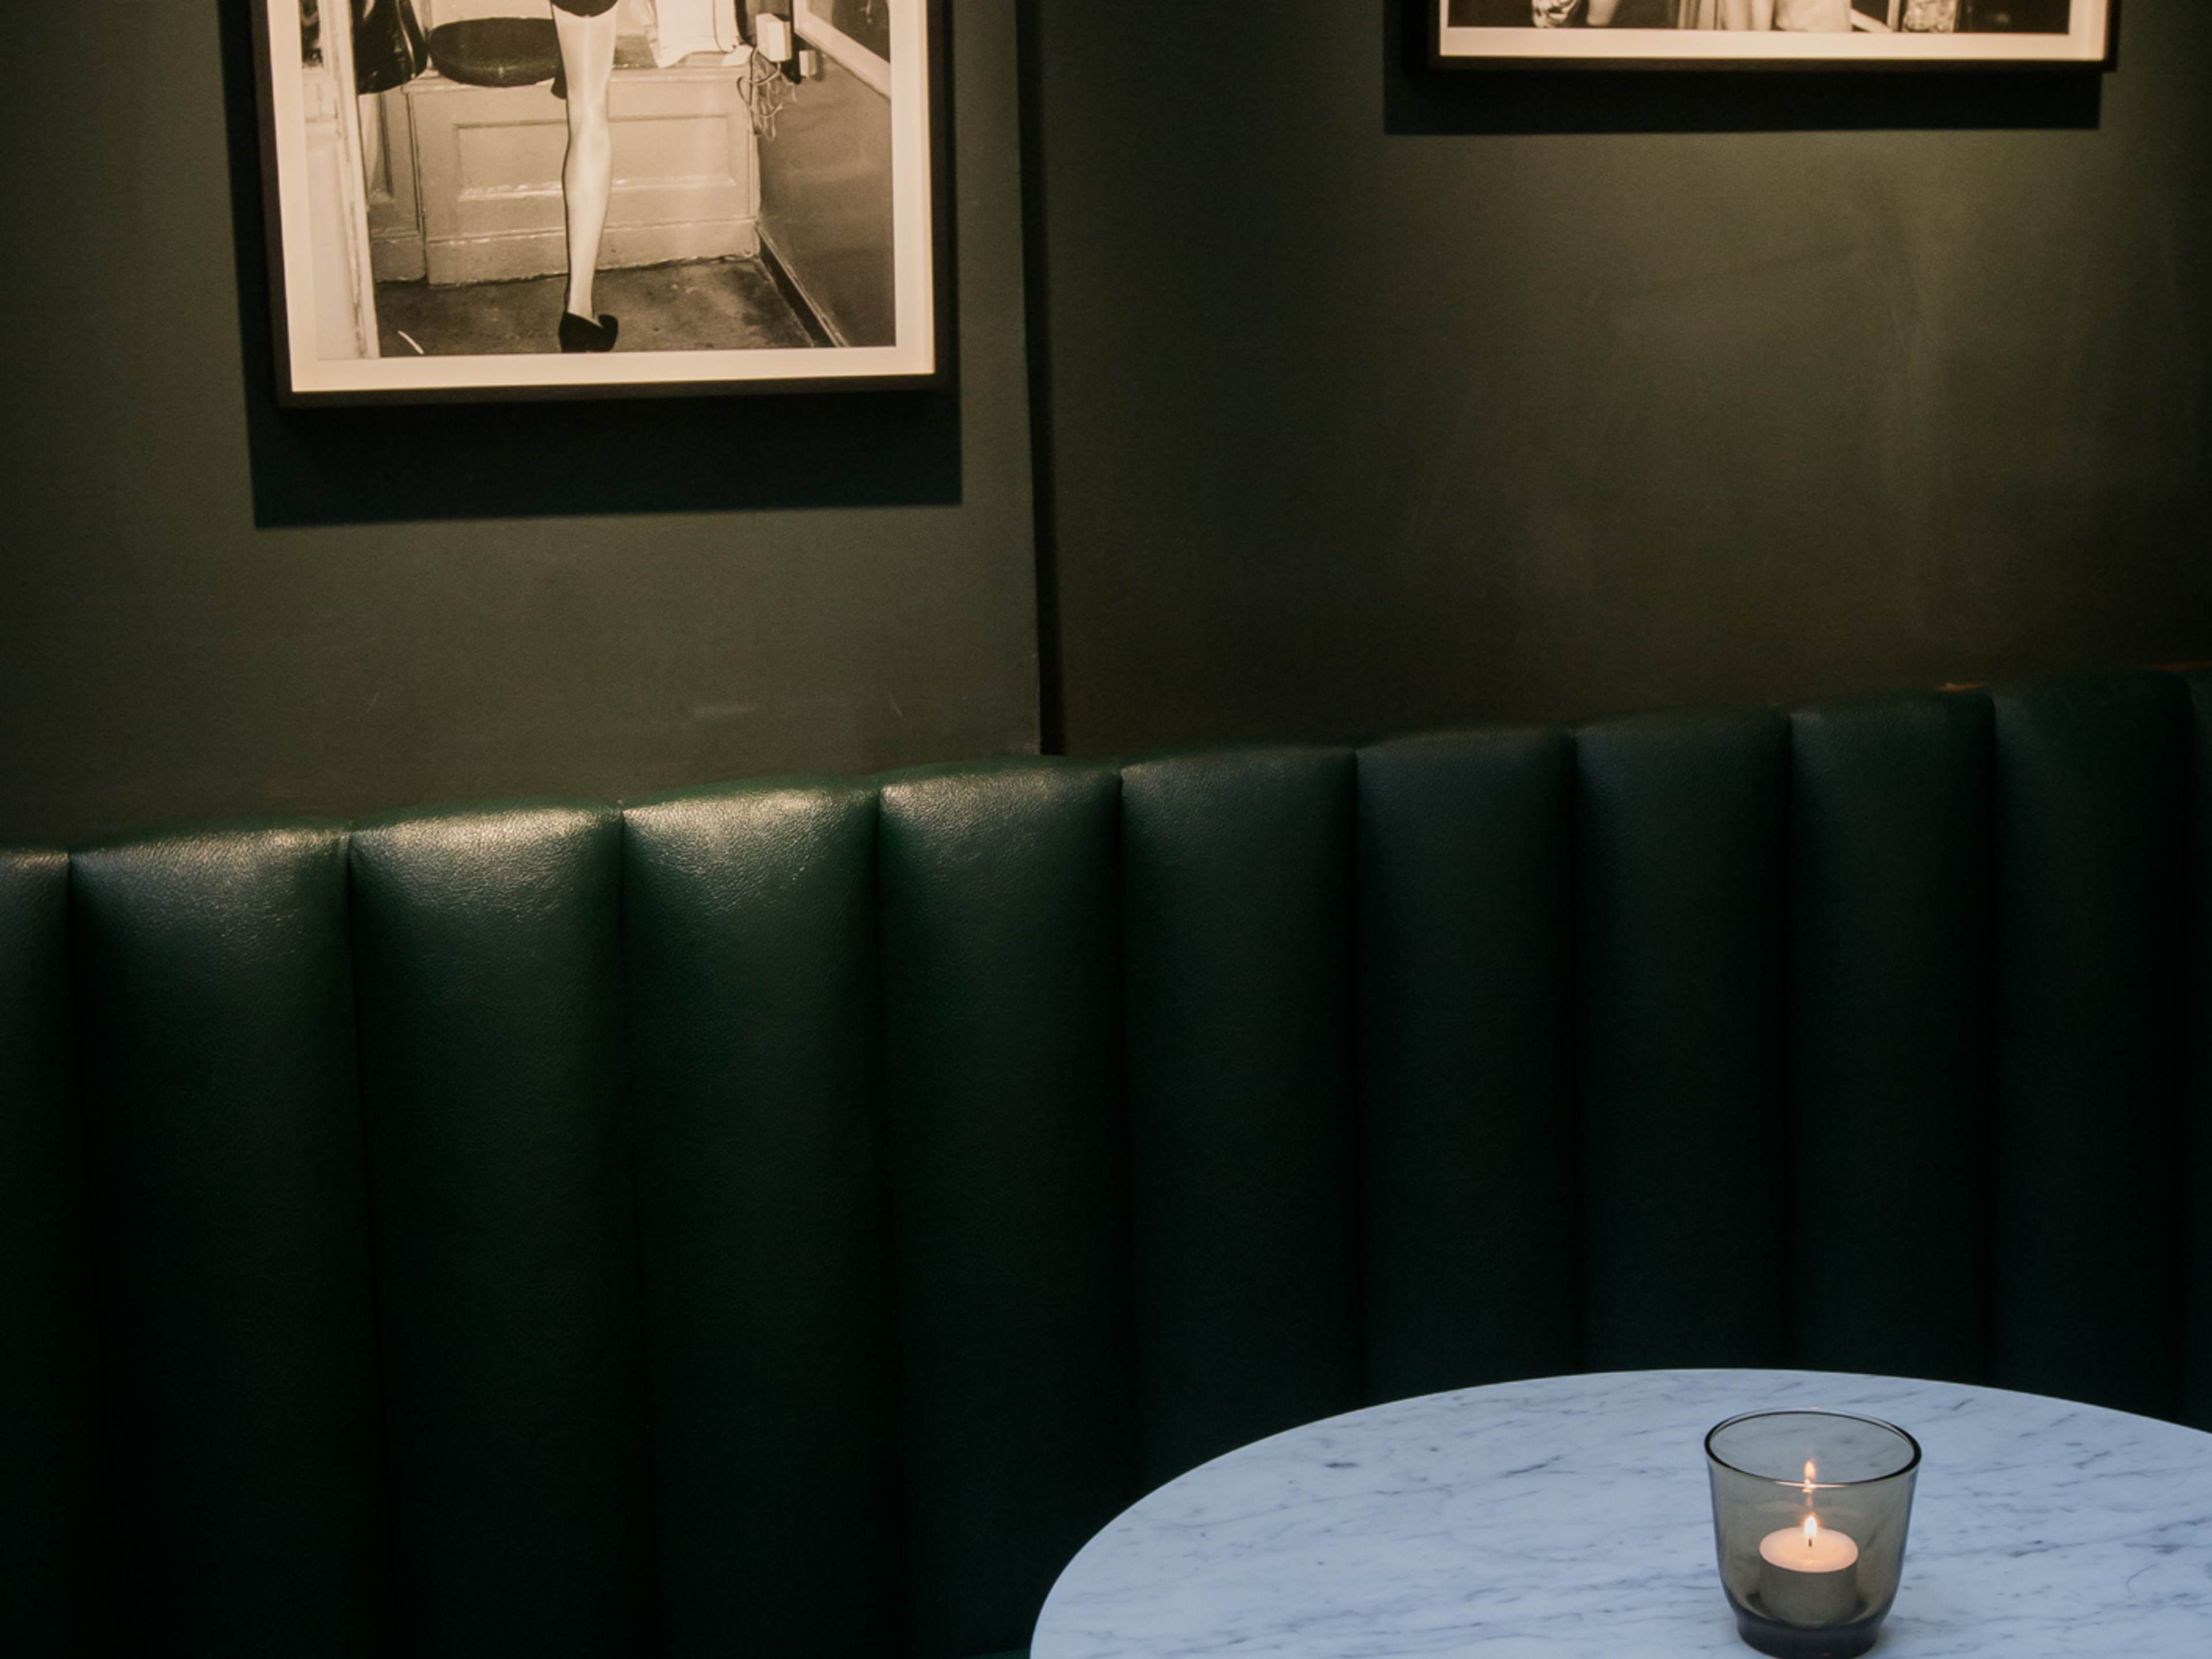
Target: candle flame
1812	1529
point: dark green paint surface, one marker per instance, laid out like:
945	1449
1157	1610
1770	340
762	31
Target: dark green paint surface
1382	399
1373	399
210	607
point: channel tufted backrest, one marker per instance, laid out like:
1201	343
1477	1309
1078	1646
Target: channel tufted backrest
791	1219
52	1536
749	930
488	957
244	1424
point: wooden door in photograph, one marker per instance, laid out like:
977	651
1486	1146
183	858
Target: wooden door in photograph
486	161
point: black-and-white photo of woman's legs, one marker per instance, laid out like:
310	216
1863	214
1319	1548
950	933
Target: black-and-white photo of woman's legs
587	178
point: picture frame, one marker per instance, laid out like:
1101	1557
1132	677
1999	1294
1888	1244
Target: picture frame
776	214
1744	35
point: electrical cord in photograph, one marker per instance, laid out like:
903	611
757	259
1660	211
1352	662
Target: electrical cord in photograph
767	92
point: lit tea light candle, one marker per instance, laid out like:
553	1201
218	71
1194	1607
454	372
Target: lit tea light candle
1808	1575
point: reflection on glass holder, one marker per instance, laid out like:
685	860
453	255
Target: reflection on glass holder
1810	1510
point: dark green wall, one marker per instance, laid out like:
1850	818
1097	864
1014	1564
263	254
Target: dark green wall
1379	402
1375	400
208	606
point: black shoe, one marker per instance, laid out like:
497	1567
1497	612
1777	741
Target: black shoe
582	334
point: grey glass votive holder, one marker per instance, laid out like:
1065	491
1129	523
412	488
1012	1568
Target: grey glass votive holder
1810	1510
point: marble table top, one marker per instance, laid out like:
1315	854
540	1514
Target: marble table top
1568	1518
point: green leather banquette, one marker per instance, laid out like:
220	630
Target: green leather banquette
788	1220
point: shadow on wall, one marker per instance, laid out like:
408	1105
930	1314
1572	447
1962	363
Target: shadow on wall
1419	101
372	464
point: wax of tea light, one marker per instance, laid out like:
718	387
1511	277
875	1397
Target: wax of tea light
1809	1575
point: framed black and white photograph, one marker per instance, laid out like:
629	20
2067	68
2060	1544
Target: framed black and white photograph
518	198
1828	33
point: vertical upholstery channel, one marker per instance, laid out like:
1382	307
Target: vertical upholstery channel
216	1013
500	1160
1681	828
2091	796
2197	1404
51	1549
1238	926
750	939
1890	855
1466	963
1008	1145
